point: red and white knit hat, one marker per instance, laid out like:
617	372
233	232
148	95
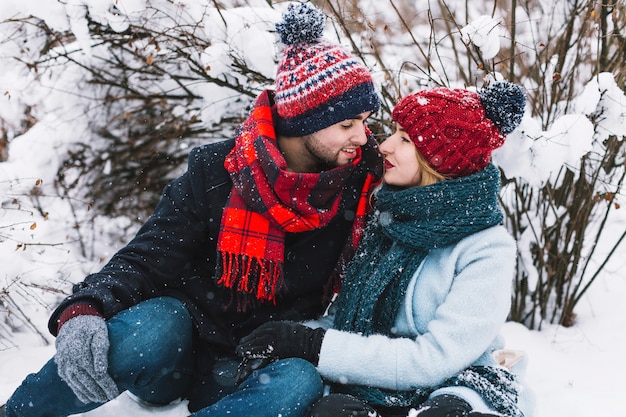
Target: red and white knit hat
455	130
318	83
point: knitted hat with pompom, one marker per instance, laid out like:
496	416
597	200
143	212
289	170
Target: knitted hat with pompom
318	83
455	130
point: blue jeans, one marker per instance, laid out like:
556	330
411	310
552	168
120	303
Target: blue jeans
151	355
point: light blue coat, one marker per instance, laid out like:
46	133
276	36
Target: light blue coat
455	306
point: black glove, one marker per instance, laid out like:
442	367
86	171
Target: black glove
445	405
282	339
342	405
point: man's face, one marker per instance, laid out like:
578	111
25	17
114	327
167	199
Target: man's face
337	145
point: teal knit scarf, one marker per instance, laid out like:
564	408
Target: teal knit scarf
406	225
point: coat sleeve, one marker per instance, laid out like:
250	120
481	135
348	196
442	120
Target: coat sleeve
166	248
469	289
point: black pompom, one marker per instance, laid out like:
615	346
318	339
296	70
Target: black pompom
302	22
504	105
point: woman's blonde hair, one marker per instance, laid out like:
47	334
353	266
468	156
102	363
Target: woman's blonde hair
428	173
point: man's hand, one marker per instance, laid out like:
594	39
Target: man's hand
277	340
282	339
82	348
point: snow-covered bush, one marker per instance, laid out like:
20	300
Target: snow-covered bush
105	98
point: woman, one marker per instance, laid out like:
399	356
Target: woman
417	320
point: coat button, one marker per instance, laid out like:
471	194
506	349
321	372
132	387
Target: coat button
291	257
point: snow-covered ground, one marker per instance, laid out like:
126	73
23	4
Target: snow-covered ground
575	372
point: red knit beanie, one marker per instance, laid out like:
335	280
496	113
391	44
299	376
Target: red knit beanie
455	130
318	83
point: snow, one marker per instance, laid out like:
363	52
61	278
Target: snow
484	33
575	372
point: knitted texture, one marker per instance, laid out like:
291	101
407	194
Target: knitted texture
456	130
496	385
318	83
409	223
268	200
75	310
81	358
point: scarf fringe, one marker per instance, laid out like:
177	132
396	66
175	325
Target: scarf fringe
254	276
265	203
497	386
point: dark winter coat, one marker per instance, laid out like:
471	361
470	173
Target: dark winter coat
174	254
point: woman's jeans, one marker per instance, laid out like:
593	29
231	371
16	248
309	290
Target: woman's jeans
151	355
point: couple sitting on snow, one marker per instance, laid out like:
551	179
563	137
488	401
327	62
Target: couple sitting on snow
219	299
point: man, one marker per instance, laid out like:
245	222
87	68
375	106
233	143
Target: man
257	229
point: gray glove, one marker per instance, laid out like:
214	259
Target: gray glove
82	348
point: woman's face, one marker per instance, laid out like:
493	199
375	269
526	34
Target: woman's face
402	168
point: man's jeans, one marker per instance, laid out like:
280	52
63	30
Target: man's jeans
151	356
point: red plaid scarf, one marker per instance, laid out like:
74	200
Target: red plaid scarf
267	200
